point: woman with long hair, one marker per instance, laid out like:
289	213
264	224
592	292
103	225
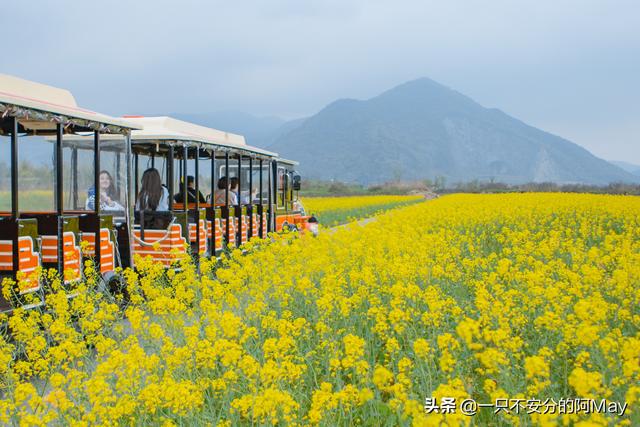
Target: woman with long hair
220	193
240	197
235	190
108	195
153	195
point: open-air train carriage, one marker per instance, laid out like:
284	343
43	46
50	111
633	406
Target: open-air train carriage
42	220
67	181
280	198
289	212
180	150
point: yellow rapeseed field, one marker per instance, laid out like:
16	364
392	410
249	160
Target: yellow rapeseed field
332	211
518	296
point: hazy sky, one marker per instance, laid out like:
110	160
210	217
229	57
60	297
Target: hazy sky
568	67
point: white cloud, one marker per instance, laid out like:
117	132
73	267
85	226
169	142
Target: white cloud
545	62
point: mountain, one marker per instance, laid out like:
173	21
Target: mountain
258	131
422	129
284	129
629	167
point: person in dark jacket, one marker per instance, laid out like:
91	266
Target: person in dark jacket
191	190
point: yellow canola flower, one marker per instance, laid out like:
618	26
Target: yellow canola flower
421	348
527	296
271	405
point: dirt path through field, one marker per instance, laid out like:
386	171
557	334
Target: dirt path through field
360	222
366	221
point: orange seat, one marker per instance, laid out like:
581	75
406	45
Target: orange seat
28	260
107	249
218	240
203	236
72	255
164	246
180	206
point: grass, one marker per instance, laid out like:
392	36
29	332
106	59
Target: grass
333	211
33	200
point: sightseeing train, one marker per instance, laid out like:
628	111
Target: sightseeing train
77	185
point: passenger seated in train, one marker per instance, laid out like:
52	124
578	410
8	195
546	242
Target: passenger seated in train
233	189
245	197
108	195
191	190
219	196
153	196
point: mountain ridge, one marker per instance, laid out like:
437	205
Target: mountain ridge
422	129
257	130
629	167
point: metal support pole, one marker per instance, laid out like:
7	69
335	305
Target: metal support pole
261	232
185	188
250	230
96	185
214	181
166	172
74	178
289	190
239	197
59	194
250	180
129	199
226	192
136	174
239	179
15	209
171	178
214	187
197	186
269	195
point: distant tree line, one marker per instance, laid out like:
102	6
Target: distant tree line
31	176
315	188
497	187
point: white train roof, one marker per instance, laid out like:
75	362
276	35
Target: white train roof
168	128
287	161
35	98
